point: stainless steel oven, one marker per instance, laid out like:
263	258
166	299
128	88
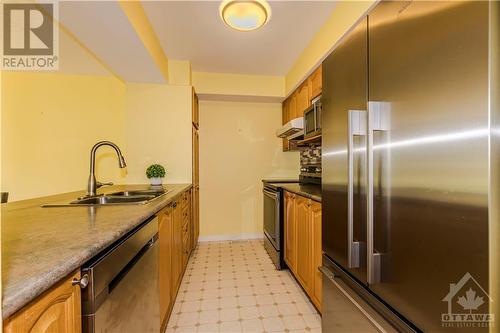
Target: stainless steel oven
312	119
272	224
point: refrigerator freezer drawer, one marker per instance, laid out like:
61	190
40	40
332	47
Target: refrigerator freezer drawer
345	312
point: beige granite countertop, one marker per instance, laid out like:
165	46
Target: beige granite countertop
40	246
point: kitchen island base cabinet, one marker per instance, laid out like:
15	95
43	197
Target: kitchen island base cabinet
303	253
175	234
57	310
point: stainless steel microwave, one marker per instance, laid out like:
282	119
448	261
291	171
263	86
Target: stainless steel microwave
312	119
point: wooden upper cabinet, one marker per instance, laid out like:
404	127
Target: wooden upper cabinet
317	254
303	99
304	243
292	111
196	110
316	82
290	232
285	111
57	310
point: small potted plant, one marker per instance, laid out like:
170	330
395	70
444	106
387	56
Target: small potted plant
155	173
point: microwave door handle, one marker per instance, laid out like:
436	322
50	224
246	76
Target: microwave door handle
356	127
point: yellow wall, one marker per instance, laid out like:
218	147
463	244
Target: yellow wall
158	130
343	16
49	124
238	84
238	148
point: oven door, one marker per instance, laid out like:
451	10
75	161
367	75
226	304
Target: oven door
272	217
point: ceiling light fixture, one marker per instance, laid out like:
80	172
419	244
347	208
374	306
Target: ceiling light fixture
245	15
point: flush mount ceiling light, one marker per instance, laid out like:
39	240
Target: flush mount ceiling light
245	15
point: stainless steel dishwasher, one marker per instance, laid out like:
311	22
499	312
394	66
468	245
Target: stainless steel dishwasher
122	292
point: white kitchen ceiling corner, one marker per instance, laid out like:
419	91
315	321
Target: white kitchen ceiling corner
194	31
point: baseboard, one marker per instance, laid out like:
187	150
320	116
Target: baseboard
216	238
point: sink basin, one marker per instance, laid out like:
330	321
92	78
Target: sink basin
113	200
132	197
155	193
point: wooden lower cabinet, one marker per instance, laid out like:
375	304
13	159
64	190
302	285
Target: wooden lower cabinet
303	253
290	232
57	310
304	243
317	253
165	238
175	233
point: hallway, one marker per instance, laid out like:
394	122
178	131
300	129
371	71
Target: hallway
233	287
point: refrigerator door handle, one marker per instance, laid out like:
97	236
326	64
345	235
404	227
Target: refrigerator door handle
357	126
378	120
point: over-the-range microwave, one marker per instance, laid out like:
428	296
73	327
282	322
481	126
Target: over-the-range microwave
312	119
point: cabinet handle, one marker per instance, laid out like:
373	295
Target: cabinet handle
83	282
174	204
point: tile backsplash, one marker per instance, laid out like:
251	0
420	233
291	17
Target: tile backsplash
310	156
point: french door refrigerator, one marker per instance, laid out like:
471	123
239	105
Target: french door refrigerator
406	169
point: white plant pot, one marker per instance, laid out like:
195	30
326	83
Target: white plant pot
156	180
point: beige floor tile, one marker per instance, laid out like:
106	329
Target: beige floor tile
267	300
190	306
230	327
252	326
294	323
268	311
288	309
230	314
208	317
249	312
208	328
187	319
312	320
273	325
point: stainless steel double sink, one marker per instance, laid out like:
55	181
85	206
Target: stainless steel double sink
132	197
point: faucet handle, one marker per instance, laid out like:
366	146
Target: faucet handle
99	184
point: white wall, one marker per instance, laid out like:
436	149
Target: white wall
238	148
158	130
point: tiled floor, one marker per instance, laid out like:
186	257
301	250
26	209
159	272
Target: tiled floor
234	287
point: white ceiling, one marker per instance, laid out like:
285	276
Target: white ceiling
105	29
193	30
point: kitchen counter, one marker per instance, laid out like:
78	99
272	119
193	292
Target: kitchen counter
40	246
309	191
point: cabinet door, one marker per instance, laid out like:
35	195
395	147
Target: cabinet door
304	243
196	215
290	232
57	310
316	82
177	247
316	253
303	99
195	110
165	264
196	156
292	111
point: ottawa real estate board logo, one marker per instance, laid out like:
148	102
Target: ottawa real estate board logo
30	36
468	305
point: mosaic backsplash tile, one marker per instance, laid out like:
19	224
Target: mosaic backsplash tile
310	156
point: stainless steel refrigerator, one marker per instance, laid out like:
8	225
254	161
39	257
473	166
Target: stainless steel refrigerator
406	170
